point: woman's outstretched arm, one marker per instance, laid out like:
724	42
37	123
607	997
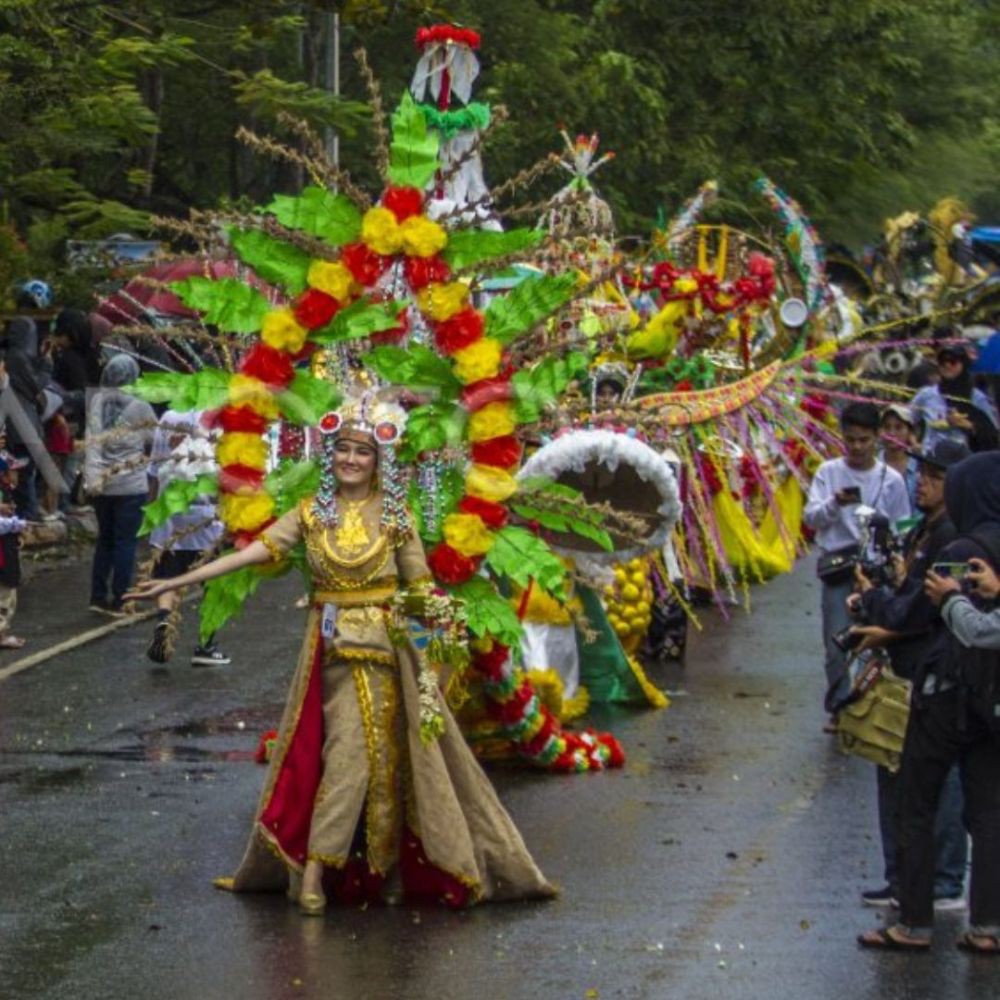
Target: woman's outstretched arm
255	552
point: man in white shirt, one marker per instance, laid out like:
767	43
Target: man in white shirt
839	487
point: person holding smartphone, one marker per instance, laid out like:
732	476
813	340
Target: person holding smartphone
838	488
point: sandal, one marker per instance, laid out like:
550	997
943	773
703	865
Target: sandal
974	943
884	940
11	641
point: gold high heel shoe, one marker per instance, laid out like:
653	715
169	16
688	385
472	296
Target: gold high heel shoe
312	904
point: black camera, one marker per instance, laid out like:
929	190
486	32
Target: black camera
846	640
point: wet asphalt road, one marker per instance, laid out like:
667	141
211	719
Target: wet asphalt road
724	861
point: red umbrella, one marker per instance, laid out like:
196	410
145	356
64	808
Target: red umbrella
144	300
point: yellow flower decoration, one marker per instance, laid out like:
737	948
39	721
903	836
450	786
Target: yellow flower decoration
493	420
479	360
282	331
240	448
466	533
245	390
441	301
490	483
381	232
245	513
422	237
331	277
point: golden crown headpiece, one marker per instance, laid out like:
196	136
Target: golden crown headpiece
367	411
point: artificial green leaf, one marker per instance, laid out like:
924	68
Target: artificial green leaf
231	305
468	247
527	304
432	427
334	218
522	556
542	484
307	398
224	598
487	613
417	367
205	389
541	386
359	319
275	261
178	495
413	155
292	482
567	519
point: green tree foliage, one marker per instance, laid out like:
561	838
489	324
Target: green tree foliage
859	108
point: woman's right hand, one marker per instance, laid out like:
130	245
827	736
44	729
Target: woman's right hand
149	589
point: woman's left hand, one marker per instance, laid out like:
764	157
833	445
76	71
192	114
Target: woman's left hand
937	587
983	578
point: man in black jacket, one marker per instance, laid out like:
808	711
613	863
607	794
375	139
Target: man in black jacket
949	723
906	621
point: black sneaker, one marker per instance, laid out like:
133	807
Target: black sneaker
879	897
159	647
209	656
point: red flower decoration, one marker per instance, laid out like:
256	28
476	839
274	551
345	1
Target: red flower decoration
423	271
314	308
493	515
503	452
488	390
271	366
403	202
241	420
240	479
491	663
684	385
447	33
449	566
366	265
463	329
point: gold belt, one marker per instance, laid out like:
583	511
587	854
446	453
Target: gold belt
355	598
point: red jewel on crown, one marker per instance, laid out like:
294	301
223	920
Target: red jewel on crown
330	423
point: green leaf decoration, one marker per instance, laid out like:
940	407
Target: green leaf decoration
291	482
334	218
307	398
231	305
541	386
522	556
417	367
527	304
432	427
468	247
487	613
206	389
275	261
224	598
475	115
413	155
568	519
359	319
178	495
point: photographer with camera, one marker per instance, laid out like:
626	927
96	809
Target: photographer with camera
840	487
902	618
955	718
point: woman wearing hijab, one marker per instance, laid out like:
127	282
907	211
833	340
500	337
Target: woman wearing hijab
120	431
954	408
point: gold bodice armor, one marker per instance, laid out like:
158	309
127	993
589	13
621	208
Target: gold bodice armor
356	567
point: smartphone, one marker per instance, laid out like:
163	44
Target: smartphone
853	493
956	570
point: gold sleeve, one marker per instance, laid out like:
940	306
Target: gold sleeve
284	534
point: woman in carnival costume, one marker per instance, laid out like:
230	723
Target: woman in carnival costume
370	777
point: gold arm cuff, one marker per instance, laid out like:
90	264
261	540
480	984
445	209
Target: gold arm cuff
272	547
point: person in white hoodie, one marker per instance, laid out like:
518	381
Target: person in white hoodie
183	449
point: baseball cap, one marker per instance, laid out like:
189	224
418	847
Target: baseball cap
942	453
903	412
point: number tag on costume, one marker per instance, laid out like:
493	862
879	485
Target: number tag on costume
328	624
